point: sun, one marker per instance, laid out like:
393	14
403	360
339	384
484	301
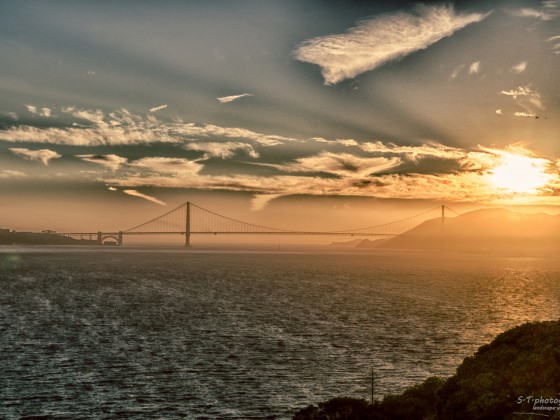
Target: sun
519	173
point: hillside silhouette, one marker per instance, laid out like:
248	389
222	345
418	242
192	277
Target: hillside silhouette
12	237
517	376
487	230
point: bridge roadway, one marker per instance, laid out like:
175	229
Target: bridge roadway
295	232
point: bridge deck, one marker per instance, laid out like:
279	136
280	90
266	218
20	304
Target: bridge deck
231	233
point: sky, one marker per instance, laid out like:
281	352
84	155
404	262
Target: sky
322	112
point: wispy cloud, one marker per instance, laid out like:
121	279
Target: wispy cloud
343	142
415	153
525	114
456	72
260	201
227	99
43	155
526	98
8	174
549	11
474	68
377	41
520	91
341	164
519	68
163	165
113	162
222	150
145	197
43	112
125	128
158	108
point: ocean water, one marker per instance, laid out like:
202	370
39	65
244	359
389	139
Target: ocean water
138	333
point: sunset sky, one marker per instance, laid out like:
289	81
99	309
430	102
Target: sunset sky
114	111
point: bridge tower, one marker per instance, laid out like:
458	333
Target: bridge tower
442	233
188	225
120	238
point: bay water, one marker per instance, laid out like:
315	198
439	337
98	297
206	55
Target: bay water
166	333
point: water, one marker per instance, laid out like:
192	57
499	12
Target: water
172	334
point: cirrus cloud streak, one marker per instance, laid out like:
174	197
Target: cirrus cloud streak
43	155
384	38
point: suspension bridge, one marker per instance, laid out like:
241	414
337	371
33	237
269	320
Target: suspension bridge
189	219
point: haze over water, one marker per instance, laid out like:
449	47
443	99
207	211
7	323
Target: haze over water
144	333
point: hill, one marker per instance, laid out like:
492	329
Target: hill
517	376
487	230
360	243
11	237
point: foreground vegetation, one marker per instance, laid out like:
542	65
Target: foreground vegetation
517	376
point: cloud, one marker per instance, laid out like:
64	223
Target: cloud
414	153
227	99
526	98
384	38
548	12
260	201
499	112
8	174
525	114
43	155
556	46
13	116
467	186
124	128
162	165
145	197
343	142
520	91
474	68
209	130
43	112
468	160
113	162
519	68
158	108
221	150
456	72
112	189
328	174
341	164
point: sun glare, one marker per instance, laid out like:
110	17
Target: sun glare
520	174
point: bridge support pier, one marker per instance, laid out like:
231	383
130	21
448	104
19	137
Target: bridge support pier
120	238
99	238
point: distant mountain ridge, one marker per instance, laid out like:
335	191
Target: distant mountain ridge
488	230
